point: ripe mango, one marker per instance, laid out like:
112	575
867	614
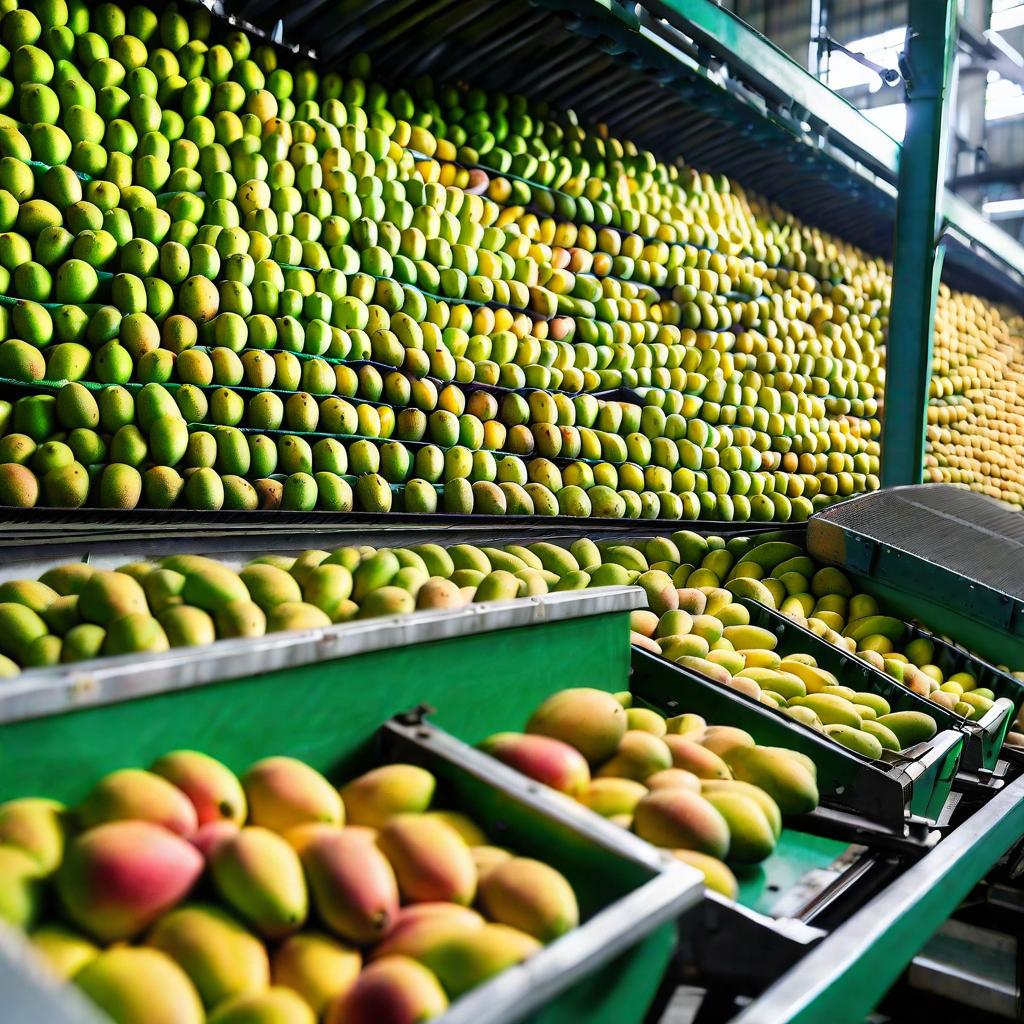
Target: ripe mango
780	773
431	860
674	778
283	792
185	626
470	831
277	1005
260	876
463	959
678	819
138	795
530	896
590	720
135	985
856	740
611	796
108	596
644	719
717	875
352	885
420	926
692	757
214	790
768	806
675	648
885	736
269	586
830	708
720	738
545	760
377	796
394	989
638	755
117	878
209	584
751	836
221	957
20	888
37	827
751	638
438	592
65	951
909	727
317	966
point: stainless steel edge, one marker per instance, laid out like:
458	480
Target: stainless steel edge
798	990
36	693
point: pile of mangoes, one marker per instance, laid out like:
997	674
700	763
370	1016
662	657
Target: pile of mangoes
238	285
707	792
183	893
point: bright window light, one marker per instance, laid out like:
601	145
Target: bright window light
1003	207
892	119
1003	98
884	48
1007	14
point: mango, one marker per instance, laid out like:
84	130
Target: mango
717	876
486	858
692	757
276	1005
638	755
909	727
678	819
674	778
118	878
831	709
352	885
269	586
463	959
780	773
65	951
131	793
675	648
590	720
140	986
20	889
283	792
751	836
394	989
214	790
209	584
377	796
431	860
611	796
855	739
108	596
420	926
37	827
530	896
260	876
545	760
885	736
751	638
221	958
317	966
720	738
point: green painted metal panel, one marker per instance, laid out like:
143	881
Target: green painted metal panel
796	854
918	251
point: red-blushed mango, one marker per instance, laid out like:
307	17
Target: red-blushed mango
380	794
135	985
20	888
278	1005
65	951
395	989
486	858
644	642
546	760
755	793
353	887
751	837
209	836
531	896
717	875
678	819
638	755
720	738
220	956
661	592
259	874
779	773
418	933
118	878
317	966
431	860
284	792
611	796
674	778
466	958
36	826
692	757
137	795
214	789
590	720
643	621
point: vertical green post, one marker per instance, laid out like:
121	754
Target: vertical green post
918	248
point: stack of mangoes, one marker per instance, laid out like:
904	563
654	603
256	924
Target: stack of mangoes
182	894
244	285
707	792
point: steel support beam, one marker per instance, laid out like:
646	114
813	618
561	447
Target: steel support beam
918	246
